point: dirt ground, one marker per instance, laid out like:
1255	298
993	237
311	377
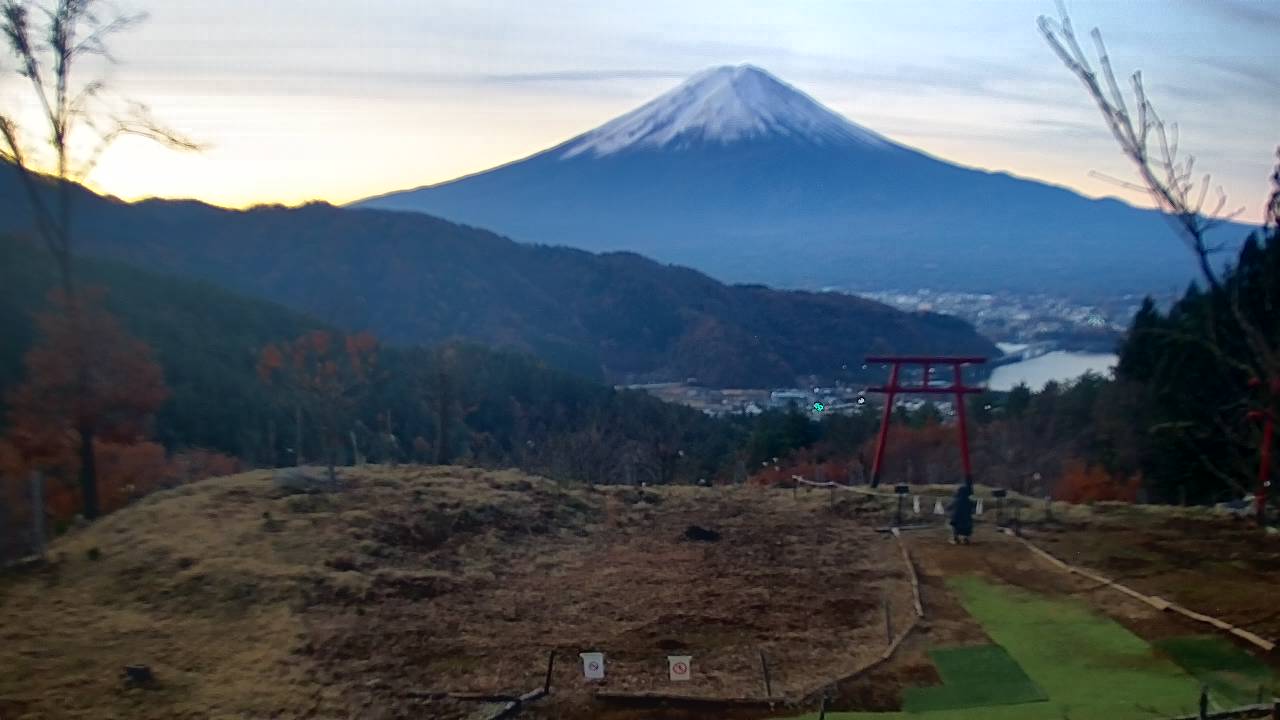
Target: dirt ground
379	600
794	577
410	583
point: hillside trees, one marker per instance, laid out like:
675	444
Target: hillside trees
327	375
77	122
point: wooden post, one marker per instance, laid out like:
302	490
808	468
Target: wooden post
297	435
272	458
764	668
357	459
37	513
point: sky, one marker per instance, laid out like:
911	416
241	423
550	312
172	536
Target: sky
298	100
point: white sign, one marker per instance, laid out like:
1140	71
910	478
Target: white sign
938	509
592	665
681	667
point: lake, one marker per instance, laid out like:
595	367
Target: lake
1060	365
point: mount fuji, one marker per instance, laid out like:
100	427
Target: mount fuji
736	173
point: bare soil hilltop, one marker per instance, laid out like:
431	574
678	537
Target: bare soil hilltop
405	585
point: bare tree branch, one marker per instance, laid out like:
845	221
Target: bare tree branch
1165	177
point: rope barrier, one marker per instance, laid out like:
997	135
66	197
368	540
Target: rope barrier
911	570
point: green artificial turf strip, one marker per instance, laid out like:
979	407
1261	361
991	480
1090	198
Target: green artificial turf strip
1091	667
1232	675
981	676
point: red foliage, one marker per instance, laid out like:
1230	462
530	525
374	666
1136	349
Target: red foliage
314	364
804	465
1081	483
85	371
919	454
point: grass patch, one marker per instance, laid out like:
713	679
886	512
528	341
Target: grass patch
1232	675
1090	666
981	676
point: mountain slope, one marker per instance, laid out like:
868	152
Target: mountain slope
746	178
417	279
514	409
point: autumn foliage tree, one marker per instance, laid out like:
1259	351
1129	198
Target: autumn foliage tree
87	380
1084	483
325	374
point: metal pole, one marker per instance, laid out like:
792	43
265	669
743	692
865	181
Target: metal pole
960	420
551	664
764	667
884	425
888	621
1264	471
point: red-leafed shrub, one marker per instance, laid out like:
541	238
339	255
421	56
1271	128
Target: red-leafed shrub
1082	483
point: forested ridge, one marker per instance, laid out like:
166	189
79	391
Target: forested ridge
209	341
416	279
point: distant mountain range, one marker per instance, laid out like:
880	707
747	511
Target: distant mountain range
415	279
744	177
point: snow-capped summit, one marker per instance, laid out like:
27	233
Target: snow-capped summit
722	105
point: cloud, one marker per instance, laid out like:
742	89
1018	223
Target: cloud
1259	75
1256	14
964	77
1067	128
557	76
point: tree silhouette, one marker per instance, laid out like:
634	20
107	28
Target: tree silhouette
77	122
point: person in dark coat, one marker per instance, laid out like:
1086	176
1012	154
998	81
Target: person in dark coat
962	514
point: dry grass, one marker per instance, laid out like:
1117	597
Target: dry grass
250	603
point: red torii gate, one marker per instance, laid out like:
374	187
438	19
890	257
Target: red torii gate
893	389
